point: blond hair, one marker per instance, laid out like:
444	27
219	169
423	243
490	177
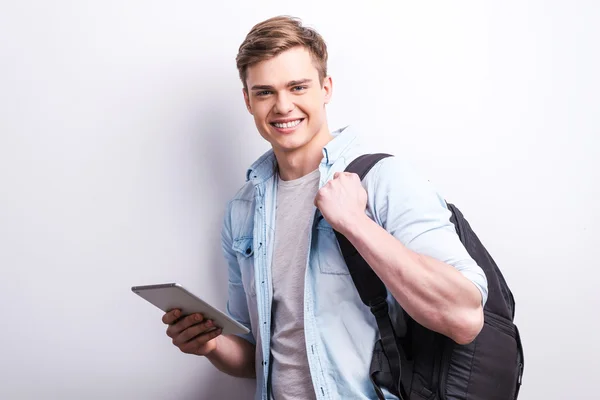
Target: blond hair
273	36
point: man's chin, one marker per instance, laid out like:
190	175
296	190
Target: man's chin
288	147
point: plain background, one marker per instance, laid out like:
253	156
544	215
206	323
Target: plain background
123	133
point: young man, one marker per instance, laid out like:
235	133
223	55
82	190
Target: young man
311	336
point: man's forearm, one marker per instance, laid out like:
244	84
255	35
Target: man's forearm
234	356
435	294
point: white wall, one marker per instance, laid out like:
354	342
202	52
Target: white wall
123	133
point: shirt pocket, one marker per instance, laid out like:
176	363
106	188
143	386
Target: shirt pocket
244	248
329	255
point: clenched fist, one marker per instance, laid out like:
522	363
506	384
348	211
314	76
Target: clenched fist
342	201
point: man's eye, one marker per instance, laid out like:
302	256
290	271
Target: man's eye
298	88
263	93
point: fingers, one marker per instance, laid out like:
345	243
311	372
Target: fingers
176	328
198	344
193	331
345	175
326	188
191	334
171	316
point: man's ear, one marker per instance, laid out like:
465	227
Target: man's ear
328	88
247	100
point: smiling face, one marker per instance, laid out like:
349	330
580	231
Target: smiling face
287	100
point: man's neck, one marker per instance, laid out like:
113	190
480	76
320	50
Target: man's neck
296	164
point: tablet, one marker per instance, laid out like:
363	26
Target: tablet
168	296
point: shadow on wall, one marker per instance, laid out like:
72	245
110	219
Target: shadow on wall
223	150
224	137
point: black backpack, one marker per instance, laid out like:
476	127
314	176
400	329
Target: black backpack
415	363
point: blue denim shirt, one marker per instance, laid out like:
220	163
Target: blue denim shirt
340	331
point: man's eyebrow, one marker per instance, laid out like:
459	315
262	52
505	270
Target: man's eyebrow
299	82
289	84
262	87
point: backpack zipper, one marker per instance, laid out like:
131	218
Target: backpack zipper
448	347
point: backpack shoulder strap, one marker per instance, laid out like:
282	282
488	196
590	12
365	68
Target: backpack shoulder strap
371	289
363	164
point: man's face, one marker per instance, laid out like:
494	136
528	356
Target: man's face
288	102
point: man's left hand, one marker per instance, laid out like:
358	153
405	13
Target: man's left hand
342	201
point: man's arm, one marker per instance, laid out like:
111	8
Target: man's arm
411	245
434	293
234	356
195	335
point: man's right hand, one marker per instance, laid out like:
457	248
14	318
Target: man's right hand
192	334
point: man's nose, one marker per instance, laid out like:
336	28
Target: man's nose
283	105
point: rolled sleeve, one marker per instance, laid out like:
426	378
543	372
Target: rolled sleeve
410	209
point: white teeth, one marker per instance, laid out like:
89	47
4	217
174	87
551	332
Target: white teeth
290	124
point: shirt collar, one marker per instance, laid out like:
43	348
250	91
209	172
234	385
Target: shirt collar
263	168
342	139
